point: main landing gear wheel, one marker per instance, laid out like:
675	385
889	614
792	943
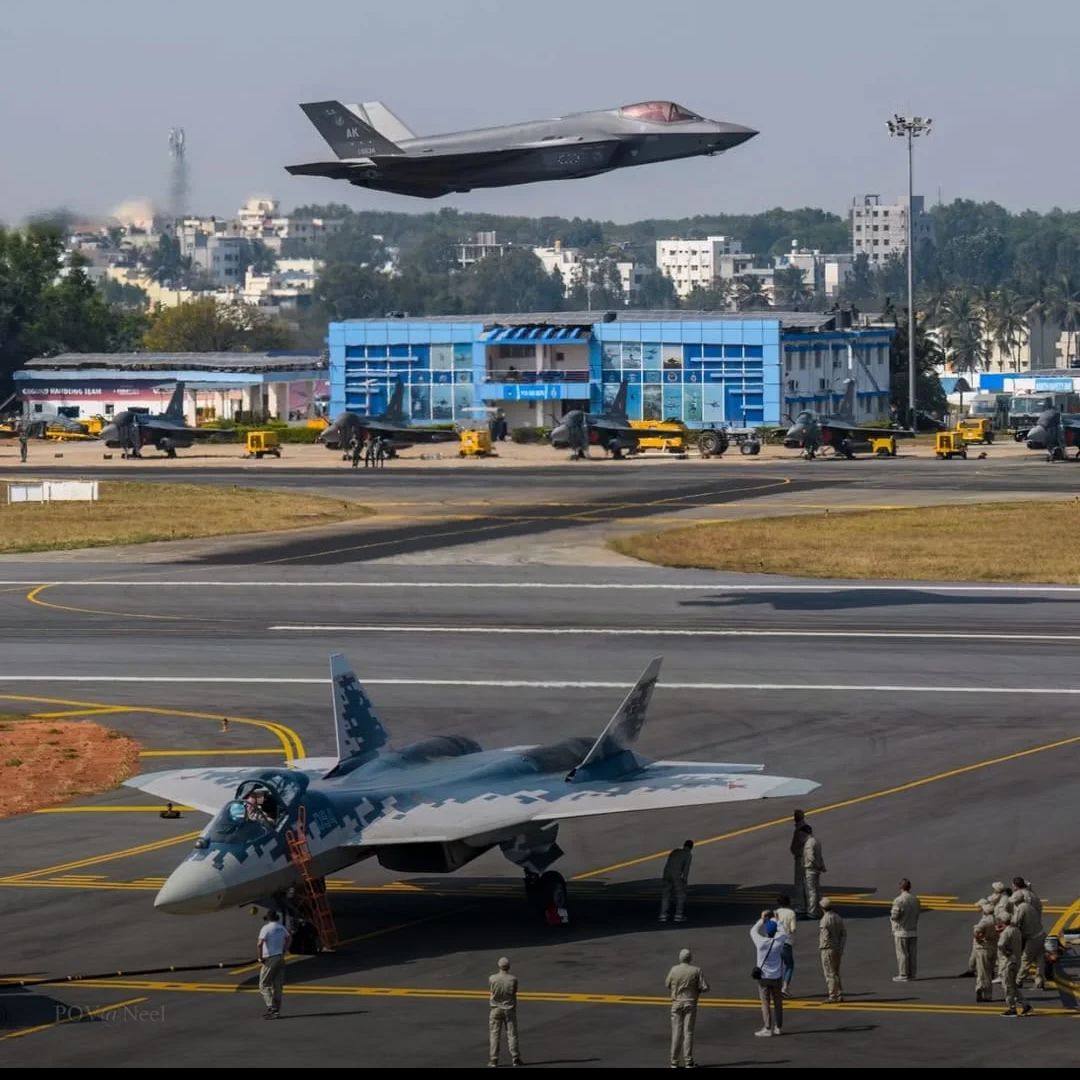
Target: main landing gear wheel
545	891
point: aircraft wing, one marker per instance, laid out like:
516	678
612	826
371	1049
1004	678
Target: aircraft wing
207	790
851	431
412	435
661	785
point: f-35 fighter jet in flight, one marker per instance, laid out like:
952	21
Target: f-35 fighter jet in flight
610	429
376	150
811	431
427	808
392	425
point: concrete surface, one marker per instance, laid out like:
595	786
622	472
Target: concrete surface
946	751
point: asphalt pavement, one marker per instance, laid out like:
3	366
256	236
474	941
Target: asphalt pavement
938	720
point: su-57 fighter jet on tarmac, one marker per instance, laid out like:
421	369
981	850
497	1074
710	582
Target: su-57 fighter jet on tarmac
428	808
376	150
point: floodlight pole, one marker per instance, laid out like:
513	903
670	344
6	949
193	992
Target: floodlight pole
910	128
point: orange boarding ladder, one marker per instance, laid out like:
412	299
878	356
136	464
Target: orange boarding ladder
315	904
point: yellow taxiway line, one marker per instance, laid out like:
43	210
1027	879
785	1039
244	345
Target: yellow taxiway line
207	753
107	809
76	1017
843	804
291	743
28	876
557	997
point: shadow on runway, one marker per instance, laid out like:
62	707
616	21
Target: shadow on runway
487	916
367	542
841	599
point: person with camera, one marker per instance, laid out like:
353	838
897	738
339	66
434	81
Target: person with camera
769	938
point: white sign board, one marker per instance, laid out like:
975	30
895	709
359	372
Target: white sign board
54	491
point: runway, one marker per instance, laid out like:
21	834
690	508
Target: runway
938	719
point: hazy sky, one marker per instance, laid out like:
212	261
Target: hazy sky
89	92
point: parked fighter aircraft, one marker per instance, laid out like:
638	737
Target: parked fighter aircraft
1055	432
431	807
610	429
810	431
392	425
376	150
166	431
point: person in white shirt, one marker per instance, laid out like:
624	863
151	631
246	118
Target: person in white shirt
769	938
273	943
785	916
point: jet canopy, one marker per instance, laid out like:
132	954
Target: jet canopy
657	112
260	806
804	417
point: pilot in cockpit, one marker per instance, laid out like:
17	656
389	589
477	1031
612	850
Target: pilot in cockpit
260	807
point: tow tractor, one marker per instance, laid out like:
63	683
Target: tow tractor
715	441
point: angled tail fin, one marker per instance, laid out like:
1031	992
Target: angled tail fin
360	734
347	134
395	410
175	410
618	406
383	121
624	727
846	409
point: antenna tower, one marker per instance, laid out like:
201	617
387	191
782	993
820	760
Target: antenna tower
178	185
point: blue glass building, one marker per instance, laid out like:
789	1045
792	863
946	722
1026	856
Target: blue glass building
704	368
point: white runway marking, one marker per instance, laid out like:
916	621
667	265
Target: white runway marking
569	631
625	586
546	684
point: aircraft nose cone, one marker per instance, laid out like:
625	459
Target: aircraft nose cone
558	436
109	433
730	135
193	888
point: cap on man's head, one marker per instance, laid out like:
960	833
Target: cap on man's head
504	964
998	886
684	956
688	843
770	928
825	903
1019	883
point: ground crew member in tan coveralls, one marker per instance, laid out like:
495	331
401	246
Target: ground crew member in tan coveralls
676	875
905	922
984	952
813	868
1010	950
1026	915
686	984
503	1014
832	937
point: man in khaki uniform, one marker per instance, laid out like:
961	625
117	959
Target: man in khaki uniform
503	1014
984	952
1032	935
1010	950
832	937
905	922
686	984
676	875
813	868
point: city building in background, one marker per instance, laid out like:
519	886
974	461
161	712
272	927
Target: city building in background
879	229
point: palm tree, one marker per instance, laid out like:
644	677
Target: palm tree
750	293
1010	324
967	348
790	290
1063	307
984	302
